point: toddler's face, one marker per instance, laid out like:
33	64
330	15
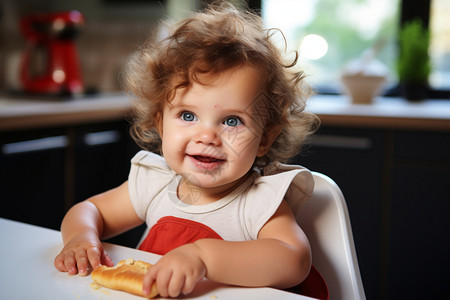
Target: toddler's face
212	132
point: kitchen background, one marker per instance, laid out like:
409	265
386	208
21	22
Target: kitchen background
112	31
394	177
115	28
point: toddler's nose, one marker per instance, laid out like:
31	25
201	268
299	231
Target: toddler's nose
207	135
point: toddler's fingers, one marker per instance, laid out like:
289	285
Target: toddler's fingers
59	263
189	285
149	278
176	283
70	263
82	262
93	255
162	282
106	260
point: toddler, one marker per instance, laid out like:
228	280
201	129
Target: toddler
224	110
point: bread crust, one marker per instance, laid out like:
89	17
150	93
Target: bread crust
127	276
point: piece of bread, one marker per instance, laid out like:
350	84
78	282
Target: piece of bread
127	276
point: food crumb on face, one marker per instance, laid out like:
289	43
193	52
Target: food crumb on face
213	297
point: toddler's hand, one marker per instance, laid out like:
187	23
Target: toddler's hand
177	272
78	253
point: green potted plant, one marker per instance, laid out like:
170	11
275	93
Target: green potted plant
413	65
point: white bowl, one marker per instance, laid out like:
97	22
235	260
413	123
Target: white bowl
362	88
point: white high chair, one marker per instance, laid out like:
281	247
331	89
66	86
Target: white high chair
325	220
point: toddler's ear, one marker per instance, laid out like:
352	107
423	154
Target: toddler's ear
267	140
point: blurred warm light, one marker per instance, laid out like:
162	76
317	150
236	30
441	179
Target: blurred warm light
313	47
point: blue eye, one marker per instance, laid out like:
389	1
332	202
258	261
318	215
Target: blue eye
188	116
233	121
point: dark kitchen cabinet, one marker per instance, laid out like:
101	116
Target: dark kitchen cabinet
395	185
102	158
419	216
44	172
32	176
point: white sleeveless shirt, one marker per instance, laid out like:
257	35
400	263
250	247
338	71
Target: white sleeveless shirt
239	216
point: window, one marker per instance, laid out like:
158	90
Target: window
440	44
330	34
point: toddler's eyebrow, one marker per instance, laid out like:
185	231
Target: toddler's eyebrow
181	105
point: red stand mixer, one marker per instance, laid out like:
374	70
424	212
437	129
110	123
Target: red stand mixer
50	62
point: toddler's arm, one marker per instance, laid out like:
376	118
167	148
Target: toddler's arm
88	221
280	257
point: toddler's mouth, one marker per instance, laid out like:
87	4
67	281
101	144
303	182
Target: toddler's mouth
207	159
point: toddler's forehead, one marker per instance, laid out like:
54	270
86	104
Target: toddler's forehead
244	77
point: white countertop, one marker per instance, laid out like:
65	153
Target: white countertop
27	272
382	106
333	110
384	112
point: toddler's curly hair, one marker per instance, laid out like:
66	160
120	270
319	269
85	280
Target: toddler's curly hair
218	39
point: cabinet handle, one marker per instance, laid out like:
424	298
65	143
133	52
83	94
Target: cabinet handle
48	143
339	141
102	137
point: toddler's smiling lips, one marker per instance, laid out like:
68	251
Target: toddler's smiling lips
206	162
207	159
